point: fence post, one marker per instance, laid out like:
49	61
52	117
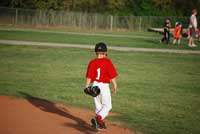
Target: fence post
111	22
80	20
95	22
40	17
16	16
140	24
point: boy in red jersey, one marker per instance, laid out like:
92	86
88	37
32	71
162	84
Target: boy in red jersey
100	72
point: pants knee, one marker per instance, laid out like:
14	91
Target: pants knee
109	107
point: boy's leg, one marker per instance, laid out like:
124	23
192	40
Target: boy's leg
164	38
105	101
190	38
193	34
189	42
106	107
97	102
168	37
98	106
174	42
103	105
179	42
192	41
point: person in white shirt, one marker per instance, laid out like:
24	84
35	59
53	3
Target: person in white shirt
193	28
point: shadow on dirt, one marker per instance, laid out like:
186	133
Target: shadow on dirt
49	106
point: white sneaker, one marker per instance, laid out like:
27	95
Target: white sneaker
193	45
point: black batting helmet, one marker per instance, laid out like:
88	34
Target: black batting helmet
101	47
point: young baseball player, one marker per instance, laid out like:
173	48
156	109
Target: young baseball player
100	72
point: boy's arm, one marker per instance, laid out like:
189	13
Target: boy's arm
114	82
88	81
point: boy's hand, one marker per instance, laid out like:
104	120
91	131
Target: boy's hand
114	90
114	85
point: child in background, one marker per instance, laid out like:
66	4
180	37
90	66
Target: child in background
177	33
167	27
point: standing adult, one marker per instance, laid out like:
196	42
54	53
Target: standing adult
193	28
167	27
199	34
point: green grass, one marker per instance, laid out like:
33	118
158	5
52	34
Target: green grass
151	40
158	93
64	29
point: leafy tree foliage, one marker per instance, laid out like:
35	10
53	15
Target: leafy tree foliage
120	7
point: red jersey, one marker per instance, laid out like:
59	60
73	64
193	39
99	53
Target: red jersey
101	70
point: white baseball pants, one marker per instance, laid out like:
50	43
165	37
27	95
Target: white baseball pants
103	102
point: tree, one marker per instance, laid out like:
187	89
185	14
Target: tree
49	4
120	7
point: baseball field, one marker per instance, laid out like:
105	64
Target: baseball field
159	93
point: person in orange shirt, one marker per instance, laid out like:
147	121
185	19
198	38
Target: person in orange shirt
177	33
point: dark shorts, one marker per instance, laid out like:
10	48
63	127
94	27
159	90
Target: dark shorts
192	33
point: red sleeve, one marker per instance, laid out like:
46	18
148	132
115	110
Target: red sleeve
89	73
112	71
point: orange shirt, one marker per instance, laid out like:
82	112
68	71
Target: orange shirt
177	32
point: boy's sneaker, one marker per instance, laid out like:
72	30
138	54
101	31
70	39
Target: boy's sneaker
193	45
95	123
102	127
190	45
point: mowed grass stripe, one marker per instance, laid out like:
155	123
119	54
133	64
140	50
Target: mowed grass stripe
89	39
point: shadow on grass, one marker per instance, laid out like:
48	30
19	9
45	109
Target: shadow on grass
49	106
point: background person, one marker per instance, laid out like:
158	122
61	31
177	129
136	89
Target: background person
177	34
193	28
167	27
199	34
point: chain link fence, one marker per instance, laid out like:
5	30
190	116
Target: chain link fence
90	21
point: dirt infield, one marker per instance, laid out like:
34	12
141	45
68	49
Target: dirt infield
37	116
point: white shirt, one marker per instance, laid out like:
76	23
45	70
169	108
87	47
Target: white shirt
194	19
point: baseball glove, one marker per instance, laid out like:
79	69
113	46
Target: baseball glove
92	91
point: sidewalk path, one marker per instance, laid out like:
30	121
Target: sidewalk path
128	49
